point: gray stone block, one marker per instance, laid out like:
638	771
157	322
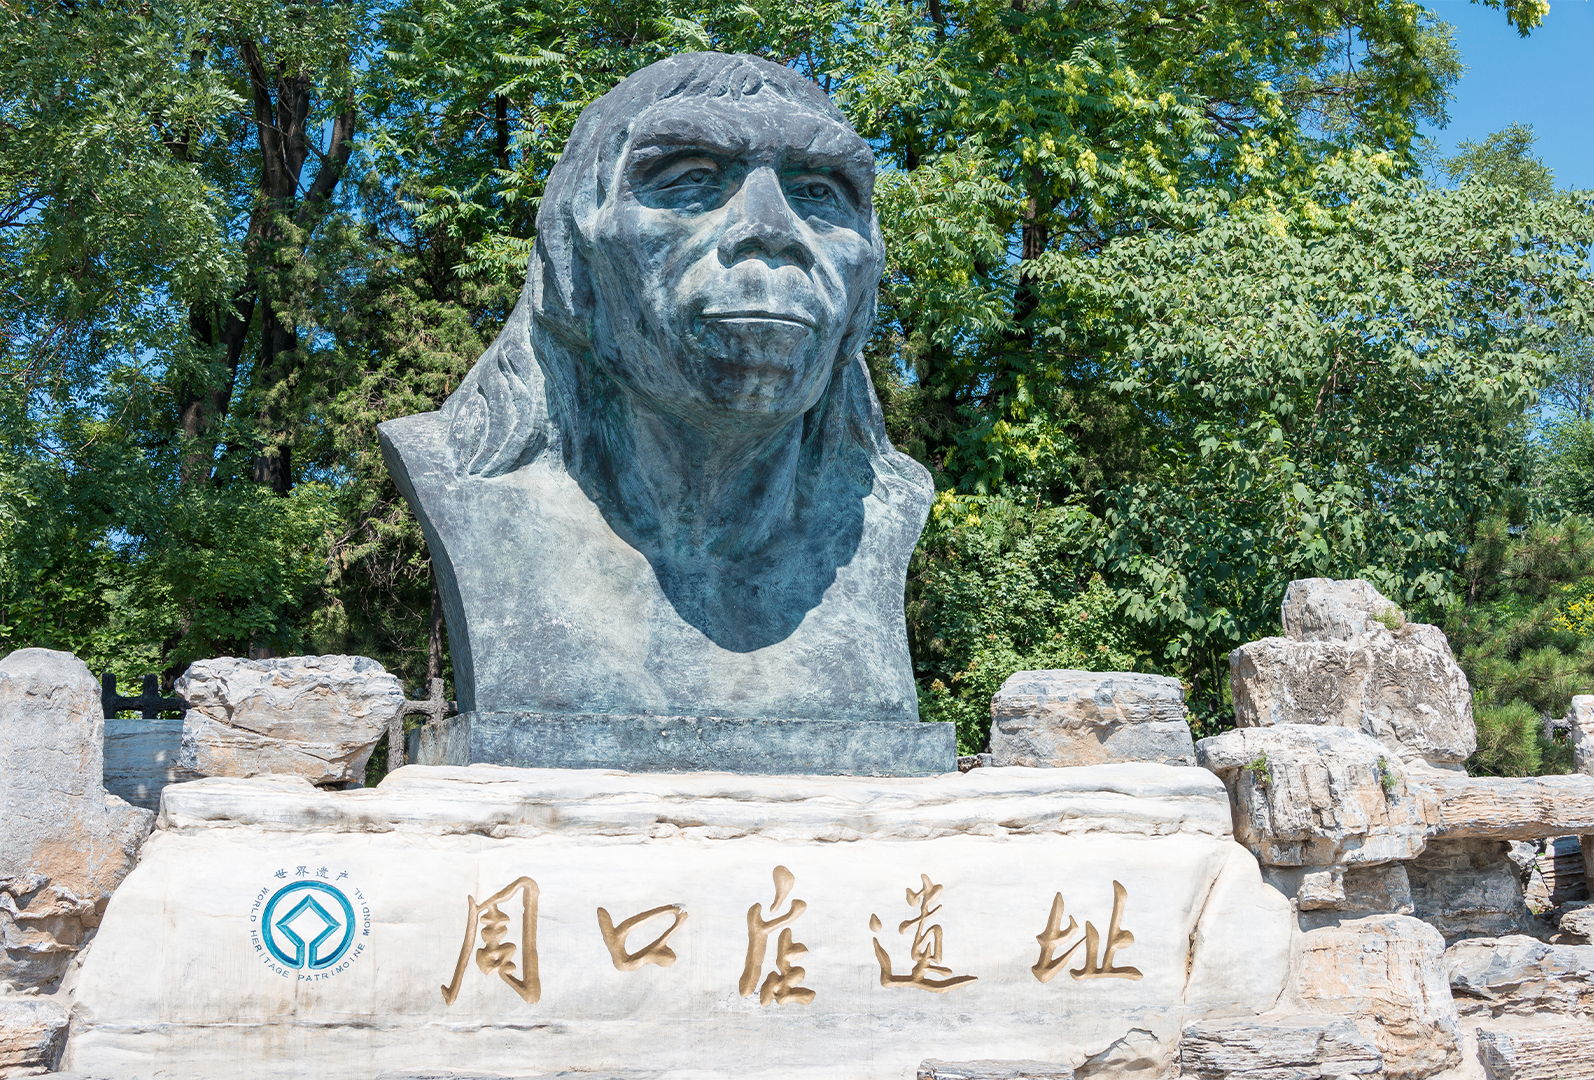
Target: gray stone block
1551	1052
32	1032
690	744
1051	719
1468	887
1278	1048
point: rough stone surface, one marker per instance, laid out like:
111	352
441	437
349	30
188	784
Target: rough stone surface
141	758
32	1032
1383	889
689	743
1387	972
1582	733
1323	609
317	717
1278	1048
1058	718
667	488
1404	688
1318	796
1521	976
1552	1052
64	843
994	1070
1466	888
1511	807
1001	843
1341	665
1577	923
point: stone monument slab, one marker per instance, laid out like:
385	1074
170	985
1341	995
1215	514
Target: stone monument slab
699	925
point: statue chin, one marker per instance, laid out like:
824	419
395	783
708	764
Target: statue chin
762	365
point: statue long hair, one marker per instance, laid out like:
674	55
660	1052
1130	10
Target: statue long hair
522	399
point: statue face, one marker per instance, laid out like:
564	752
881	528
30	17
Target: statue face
730	256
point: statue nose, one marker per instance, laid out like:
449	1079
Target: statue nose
764	223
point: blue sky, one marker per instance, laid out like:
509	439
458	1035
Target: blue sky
1541	80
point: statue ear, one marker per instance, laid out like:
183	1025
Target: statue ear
861	320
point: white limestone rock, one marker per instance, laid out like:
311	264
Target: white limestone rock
1404	688
32	1031
1544	1052
64	843
1386	972
993	1070
141	758
1209	938
1577	923
317	717
1511	807
1318	796
1518	975
1582	733
1308	1047
1468	887
1323	609
1058	718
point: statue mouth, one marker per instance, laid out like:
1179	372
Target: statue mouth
753	315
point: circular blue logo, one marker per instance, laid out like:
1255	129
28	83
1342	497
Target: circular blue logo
308	925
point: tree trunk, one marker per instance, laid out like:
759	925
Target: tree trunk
434	646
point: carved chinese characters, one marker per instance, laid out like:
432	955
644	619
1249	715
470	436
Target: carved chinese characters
773	976
1051	962
781	985
655	952
926	948
496	956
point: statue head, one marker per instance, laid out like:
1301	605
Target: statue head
707	244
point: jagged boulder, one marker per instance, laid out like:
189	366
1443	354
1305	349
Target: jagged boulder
1547	1052
1468	887
1521	976
64	843
1577	924
1049	719
1387	973
32	1031
1581	733
1323	609
1318	796
1278	1048
1351	661
318	717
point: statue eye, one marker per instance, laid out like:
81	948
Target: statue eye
815	191
692	178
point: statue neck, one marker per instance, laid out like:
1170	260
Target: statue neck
695	491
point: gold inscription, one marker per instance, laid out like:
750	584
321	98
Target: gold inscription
781	984
926	947
655	952
1051	961
496	956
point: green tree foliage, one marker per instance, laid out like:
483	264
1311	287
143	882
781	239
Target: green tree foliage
1520	632
1006	590
1326	387
1167	312
1504	159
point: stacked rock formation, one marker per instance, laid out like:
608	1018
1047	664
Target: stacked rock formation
65	844
1346	780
